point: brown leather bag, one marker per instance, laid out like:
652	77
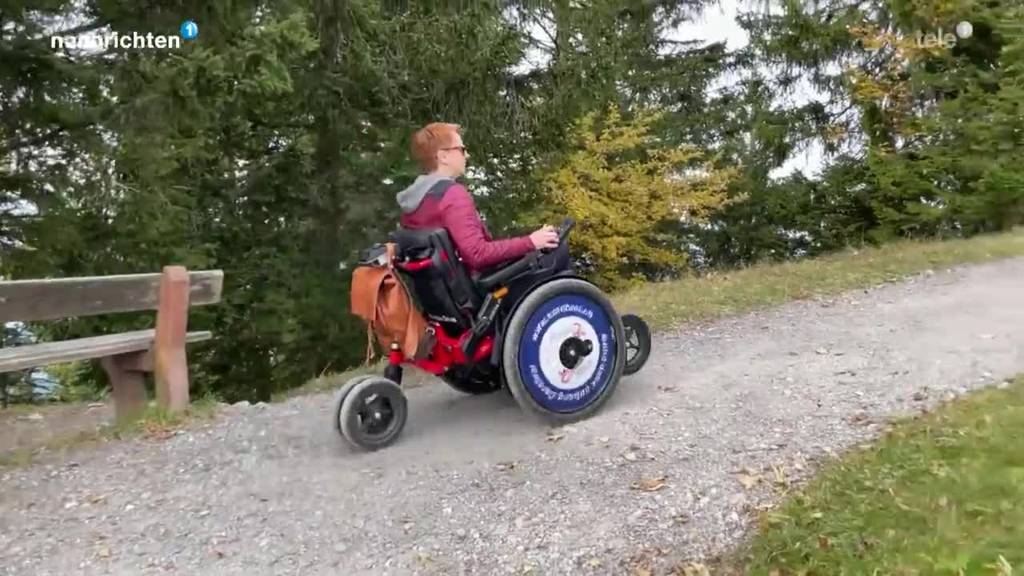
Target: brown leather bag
381	299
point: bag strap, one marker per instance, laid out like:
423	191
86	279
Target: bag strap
370	351
391	248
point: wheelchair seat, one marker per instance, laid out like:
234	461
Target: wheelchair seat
441	285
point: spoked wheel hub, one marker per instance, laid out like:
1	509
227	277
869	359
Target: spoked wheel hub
375	415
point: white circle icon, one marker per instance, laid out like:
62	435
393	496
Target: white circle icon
964	29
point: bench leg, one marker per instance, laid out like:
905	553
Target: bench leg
171	369
128	384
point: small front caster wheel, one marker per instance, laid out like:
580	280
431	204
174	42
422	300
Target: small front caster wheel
638	342
373	413
341	394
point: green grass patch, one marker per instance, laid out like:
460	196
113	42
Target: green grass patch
667	304
939	494
158	422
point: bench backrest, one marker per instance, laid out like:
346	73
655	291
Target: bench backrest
51	299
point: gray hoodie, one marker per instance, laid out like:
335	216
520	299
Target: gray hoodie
410	198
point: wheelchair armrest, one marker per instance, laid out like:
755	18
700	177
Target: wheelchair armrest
522	265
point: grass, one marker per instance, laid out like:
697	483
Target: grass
153	423
940	494
667	304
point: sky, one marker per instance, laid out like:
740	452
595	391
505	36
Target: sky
718	23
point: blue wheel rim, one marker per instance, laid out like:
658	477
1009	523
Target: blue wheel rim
544	336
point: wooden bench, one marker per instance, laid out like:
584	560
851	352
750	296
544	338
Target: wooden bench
128	356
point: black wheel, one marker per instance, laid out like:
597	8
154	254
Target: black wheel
476	381
563	353
341	394
638	342
373	413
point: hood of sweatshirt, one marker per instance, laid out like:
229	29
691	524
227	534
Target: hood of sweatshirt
410	198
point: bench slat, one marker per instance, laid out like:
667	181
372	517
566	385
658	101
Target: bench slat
56	298
37	355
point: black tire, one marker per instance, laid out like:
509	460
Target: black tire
474	382
341	394
539	299
637	341
374	413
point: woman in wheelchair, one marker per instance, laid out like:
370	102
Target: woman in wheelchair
437	200
507	313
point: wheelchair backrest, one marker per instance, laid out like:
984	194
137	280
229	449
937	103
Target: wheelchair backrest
441	285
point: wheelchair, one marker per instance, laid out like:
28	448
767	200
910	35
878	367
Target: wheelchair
557	346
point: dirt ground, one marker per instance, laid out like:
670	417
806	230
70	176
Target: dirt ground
30	427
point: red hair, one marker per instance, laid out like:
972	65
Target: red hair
429	139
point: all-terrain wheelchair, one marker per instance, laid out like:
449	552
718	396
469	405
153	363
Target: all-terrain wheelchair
559	348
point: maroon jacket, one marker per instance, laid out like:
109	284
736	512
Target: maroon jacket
434	201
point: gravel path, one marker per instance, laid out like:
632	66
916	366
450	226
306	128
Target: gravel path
722	418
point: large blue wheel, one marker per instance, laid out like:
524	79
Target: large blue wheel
563	351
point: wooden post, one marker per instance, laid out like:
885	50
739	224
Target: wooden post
128	383
170	363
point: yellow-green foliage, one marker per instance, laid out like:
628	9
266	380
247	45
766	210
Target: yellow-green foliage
620	185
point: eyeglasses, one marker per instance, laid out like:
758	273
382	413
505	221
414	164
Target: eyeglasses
459	148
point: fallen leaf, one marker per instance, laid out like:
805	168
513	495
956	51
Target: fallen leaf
97	499
861	416
821	351
604	439
158	432
103	552
631	456
692	569
748	480
667	388
823	542
943	502
593	563
553	437
780	476
817	515
681	518
650	484
506	466
642	571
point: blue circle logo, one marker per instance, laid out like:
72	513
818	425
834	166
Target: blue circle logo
189	30
567	353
